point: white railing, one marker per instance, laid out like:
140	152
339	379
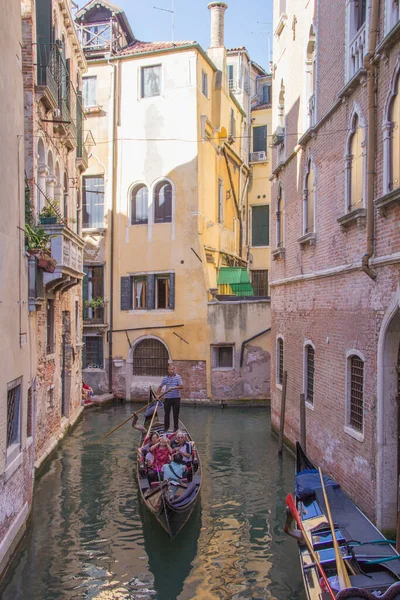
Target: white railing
357	51
67	249
311	111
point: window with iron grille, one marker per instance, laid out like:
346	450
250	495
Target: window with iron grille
356	416
259	282
222	357
93	352
310	353
50	327
29	414
279	361
150	357
14	412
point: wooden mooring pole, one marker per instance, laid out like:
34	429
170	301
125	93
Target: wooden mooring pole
283	409
303	421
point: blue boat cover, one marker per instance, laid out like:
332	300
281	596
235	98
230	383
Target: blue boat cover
308	481
149	410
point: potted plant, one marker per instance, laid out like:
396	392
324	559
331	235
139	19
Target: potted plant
95	303
37	243
50	214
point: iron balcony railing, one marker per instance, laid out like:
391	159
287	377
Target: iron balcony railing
53	73
94	315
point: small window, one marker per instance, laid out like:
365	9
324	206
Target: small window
260	225
93	352
232	124
279	361
139	205
93	290
93	202
259	282
89	91
77	323
356	168
260	139
139	293
14	413
151	81
29	414
204	83
230	77
356	393
50	327
309	387
163	202
162	291
222	357
309	200
361	12
220	201
266	94
280	242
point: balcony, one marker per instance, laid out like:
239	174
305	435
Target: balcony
67	249
55	89
357	51
94	316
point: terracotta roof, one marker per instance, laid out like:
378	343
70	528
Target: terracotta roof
238	49
261	107
138	47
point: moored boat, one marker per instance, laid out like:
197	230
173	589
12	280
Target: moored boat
172	505
370	563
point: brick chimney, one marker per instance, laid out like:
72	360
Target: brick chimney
217	10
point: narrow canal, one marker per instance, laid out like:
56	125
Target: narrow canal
89	536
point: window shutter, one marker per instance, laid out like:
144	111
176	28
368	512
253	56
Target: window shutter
151	291
126	293
171	300
43	36
85	290
260	226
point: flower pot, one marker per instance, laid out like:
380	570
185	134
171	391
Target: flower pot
48	220
47	264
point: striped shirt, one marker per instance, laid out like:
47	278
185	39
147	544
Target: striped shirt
170	382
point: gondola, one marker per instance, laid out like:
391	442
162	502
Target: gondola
371	561
172	514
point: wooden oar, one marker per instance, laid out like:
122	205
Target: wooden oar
123	422
290	503
343	576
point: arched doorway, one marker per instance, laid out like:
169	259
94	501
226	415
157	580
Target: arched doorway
150	357
388	426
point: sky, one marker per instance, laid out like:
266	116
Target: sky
247	23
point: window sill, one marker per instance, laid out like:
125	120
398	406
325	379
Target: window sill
223	368
278	386
358	216
51	356
353	83
91	110
309	405
387	201
14	461
94	230
278	253
29	442
354	434
390	37
260	247
308	238
281	24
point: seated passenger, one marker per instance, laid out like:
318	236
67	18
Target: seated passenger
161	452
147	442
181	445
174	472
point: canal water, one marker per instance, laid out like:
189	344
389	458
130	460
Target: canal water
90	537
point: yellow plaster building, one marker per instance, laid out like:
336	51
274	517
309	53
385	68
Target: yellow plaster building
165	205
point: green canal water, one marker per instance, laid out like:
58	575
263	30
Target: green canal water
90	537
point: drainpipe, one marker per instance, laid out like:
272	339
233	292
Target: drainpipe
115	85
371	91
253	337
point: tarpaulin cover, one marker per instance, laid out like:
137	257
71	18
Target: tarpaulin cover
308	481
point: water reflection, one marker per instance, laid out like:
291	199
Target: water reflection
90	536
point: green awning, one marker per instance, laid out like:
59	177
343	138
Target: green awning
236	281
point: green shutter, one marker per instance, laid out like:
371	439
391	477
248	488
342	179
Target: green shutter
171	300
151	291
260	139
43	36
260	226
85	292
126	293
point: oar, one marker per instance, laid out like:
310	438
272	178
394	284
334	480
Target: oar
343	576
290	503
123	422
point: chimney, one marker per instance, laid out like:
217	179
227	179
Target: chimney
217	23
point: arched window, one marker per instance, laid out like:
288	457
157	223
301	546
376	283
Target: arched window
163	202
280	241
356	169
309	200
310	78
150	357
41	175
355	392
139	205
394	164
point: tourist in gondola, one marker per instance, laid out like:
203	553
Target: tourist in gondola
173	383
181	445
161	452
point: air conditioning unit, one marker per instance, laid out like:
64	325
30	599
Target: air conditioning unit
258	157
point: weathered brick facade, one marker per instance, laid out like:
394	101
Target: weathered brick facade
320	295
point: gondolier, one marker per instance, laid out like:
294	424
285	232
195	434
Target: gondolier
173	383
